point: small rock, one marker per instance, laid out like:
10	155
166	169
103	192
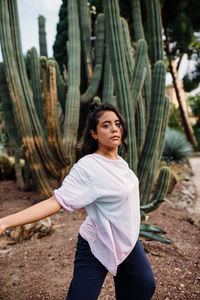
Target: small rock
185	177
37	230
6	251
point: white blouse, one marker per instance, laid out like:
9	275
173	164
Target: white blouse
109	191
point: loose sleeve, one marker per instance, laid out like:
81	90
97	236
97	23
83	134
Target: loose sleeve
76	190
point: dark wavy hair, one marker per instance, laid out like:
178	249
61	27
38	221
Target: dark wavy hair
89	144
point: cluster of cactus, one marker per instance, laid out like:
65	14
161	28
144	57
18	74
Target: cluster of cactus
114	71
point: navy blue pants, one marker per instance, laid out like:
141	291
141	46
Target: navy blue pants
134	279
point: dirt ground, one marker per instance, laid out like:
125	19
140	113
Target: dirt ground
41	269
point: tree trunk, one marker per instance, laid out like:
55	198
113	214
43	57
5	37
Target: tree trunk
179	92
182	106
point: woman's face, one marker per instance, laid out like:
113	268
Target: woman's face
109	131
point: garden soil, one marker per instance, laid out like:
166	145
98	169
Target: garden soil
41	269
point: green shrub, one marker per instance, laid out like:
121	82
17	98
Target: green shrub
176	146
194	102
175	120
196	128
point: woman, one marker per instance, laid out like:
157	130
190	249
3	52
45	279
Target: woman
102	182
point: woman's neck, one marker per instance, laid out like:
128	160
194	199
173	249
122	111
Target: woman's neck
109	154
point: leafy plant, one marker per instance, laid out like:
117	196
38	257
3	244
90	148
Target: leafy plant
194	103
176	146
175	120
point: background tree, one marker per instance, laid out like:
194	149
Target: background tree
180	23
191	80
60	44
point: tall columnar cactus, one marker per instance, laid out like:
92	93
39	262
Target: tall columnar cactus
142	92
52	112
61	87
128	48
108	87
11	126
85	27
99	55
72	109
154	125
36	86
37	149
42	36
119	73
148	140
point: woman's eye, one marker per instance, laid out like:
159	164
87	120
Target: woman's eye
105	125
118	124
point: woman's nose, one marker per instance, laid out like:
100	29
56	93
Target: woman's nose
114	128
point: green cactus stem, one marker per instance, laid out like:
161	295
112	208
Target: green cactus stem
140	125
139	72
154	125
159	193
147	90
72	110
52	122
42	36
162	184
11	126
166	104
137	20
129	50
99	55
120	74
36	87
108	87
158	152
85	26
20	94
61	87
155	30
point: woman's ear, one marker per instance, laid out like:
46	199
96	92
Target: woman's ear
93	134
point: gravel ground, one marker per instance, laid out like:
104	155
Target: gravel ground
41	269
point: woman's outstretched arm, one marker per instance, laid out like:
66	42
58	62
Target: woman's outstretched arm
31	214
